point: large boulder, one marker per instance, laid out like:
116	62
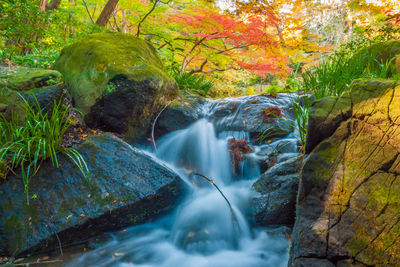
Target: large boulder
274	203
349	195
117	81
126	187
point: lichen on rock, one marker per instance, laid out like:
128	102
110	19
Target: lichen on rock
349	194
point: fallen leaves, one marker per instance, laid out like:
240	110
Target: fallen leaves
238	147
272	112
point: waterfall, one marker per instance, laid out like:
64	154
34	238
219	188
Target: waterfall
205	230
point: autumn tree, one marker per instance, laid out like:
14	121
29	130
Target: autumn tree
207	40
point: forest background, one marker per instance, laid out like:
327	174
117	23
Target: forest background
214	48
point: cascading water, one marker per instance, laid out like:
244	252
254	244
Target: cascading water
206	230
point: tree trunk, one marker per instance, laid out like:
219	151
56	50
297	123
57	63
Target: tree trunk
106	13
71	27
43	4
124	26
54	4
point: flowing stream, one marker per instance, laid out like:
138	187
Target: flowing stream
205	229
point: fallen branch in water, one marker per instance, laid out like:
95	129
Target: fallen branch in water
211	181
154	124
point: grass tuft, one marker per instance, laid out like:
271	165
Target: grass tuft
26	142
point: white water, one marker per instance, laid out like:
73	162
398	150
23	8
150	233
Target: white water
203	231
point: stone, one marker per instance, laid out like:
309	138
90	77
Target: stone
349	193
246	114
117	81
179	114
126	187
18	83
277	190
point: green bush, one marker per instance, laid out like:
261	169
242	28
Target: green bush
193	82
273	89
26	142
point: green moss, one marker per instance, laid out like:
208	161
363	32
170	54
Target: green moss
24	79
357	244
90	63
13	227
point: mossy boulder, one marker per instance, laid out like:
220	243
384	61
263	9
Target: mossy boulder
126	187
3	170
45	85
349	195
117	81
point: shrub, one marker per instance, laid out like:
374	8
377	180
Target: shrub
193	82
26	142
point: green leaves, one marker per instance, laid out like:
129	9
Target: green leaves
26	142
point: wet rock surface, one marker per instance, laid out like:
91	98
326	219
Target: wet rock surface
274	203
179	114
246	114
348	202
126	187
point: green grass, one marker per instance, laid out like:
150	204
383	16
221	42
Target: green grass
193	82
26	142
336	72
301	108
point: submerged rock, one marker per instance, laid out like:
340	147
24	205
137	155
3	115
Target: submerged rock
117	81
126	187
349	195
274	203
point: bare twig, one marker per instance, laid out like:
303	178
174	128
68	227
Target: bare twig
59	243
145	16
87	9
154	124
211	181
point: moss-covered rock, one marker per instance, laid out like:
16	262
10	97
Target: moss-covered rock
349	195
126	187
3	170
45	85
117	81
24	79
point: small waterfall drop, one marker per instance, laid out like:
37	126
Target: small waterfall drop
205	230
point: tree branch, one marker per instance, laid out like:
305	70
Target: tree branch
87	9
145	16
